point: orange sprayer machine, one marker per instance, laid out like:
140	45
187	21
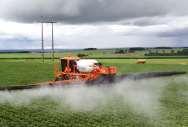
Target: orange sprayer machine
76	70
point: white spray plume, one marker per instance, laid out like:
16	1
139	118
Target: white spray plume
142	96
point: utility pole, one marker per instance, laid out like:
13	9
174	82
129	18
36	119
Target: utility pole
42	41
52	38
53	50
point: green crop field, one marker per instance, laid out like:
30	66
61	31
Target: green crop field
27	71
155	103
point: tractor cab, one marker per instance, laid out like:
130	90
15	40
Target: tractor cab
68	64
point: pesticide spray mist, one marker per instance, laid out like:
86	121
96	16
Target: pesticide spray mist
142	95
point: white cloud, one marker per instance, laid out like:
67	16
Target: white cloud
167	31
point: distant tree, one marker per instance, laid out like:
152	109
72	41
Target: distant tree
82	55
156	52
184	51
137	49
120	51
90	49
172	52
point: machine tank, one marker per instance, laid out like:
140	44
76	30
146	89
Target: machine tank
86	65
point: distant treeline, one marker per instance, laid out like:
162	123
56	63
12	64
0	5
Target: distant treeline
129	50
90	49
183	52
15	51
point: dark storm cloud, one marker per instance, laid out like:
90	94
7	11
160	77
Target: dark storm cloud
86	11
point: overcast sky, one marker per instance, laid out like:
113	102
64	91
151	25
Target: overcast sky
94	23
